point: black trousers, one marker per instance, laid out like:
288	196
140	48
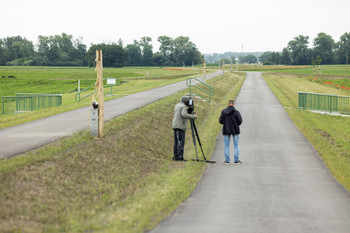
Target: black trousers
179	143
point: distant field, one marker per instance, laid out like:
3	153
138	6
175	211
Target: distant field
64	80
59	80
307	70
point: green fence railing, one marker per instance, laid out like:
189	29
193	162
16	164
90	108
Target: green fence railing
91	90
203	88
28	102
323	102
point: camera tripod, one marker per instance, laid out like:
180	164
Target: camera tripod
194	134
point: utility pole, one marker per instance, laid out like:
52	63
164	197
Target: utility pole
99	68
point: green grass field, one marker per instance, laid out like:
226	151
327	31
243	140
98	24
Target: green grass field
112	184
56	80
331	70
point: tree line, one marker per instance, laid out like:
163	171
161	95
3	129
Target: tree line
324	51
64	50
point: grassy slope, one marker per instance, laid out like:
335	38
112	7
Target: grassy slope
124	182
330	135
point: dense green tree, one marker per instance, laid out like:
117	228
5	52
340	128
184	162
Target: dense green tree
343	48
324	47
166	45
134	54
60	50
285	57
265	57
16	50
147	50
2	53
185	52
160	60
248	59
300	53
114	55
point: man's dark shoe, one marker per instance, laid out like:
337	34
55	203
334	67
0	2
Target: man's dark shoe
180	159
225	162
238	161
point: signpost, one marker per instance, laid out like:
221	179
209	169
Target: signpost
111	81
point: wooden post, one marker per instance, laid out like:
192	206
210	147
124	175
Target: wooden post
231	65
204	70
223	66
99	68
347	59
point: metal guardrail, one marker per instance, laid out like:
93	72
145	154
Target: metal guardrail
323	102
201	86
28	102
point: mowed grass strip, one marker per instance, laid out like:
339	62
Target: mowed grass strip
330	135
123	182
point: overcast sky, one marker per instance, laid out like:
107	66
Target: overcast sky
214	26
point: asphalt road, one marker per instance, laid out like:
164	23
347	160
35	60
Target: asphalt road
282	185
20	138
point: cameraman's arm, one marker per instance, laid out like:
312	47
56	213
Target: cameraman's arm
185	114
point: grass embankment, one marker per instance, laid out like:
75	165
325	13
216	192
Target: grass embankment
123	182
330	135
64	80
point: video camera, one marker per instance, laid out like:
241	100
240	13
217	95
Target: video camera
189	103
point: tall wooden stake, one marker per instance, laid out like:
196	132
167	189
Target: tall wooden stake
99	68
347	59
204	70
223	66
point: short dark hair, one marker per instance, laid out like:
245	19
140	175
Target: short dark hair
231	102
184	100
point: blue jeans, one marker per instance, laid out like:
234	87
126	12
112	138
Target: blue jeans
227	147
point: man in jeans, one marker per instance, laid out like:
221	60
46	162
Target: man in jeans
179	126
231	120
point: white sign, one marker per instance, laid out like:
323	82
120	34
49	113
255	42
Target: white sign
111	81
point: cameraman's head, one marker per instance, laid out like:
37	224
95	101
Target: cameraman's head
185	100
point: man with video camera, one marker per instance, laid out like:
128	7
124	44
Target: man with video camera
182	112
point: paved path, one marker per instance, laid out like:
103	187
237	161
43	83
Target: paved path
282	185
20	138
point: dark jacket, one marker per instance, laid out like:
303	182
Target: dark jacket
231	120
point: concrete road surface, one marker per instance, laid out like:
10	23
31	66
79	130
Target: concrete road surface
282	185
20	138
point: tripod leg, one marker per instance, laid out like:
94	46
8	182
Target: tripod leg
199	141
194	137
